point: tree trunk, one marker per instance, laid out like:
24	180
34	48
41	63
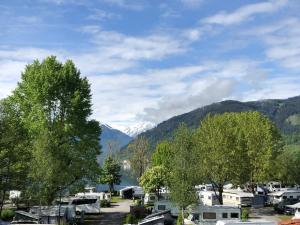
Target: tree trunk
220	190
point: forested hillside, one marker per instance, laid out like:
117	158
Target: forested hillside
284	113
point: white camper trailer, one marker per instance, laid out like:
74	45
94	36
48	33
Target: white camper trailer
280	196
253	222
165	204
209	198
237	198
297	210
89	205
209	215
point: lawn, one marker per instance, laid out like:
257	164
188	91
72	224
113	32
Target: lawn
116	199
284	217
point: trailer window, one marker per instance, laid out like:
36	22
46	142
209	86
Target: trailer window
84	201
284	197
161	207
237	198
234	215
224	215
209	215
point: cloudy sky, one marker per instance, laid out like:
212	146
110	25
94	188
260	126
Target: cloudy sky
148	60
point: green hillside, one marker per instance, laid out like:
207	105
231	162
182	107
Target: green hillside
284	113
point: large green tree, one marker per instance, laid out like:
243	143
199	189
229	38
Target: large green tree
185	165
55	105
154	179
110	173
14	151
237	147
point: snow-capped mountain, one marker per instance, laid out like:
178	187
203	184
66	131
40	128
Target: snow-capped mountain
139	128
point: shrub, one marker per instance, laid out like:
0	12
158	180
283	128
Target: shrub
130	219
104	203
7	214
179	219
244	214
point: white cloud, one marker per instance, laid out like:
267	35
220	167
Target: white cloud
127	4
100	15
245	12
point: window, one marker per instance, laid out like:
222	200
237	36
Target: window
161	207
291	196
224	215
195	217
209	215
284	197
83	201
234	215
237	198
209	197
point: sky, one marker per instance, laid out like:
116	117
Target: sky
149	60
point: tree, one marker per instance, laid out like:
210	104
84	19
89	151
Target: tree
139	155
184	168
154	179
55	104
110	173
288	165
14	151
237	147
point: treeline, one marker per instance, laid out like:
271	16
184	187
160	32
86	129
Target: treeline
47	141
241	148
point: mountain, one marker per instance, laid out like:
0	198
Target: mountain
137	129
284	113
111	140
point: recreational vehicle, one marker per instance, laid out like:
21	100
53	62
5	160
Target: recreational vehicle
296	207
209	215
237	198
209	198
132	191
165	204
87	205
280	196
254	222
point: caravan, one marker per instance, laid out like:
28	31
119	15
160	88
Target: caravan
209	215
89	205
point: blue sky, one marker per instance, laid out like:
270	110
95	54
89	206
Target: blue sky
149	60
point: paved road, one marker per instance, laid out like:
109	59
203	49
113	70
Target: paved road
110	216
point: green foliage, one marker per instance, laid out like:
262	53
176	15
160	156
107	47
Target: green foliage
288	165
153	179
139	155
104	203
55	104
185	168
245	214
7	214
130	219
110	173
14	150
237	147
180	219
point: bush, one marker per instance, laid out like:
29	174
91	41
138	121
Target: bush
244	214
130	219
104	203
179	219
7	214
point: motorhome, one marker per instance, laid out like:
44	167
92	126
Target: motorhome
166	204
204	187
209	198
237	197
86	205
280	196
274	186
209	215
100	195
132	192
252	222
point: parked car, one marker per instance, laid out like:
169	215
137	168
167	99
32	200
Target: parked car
282	206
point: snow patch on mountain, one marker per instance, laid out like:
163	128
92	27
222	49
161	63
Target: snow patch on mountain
139	128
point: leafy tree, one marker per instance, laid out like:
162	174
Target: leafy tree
14	151
139	155
184	168
153	179
237	147
288	165
110	173
55	104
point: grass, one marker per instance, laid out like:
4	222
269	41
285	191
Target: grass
116	199
285	217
